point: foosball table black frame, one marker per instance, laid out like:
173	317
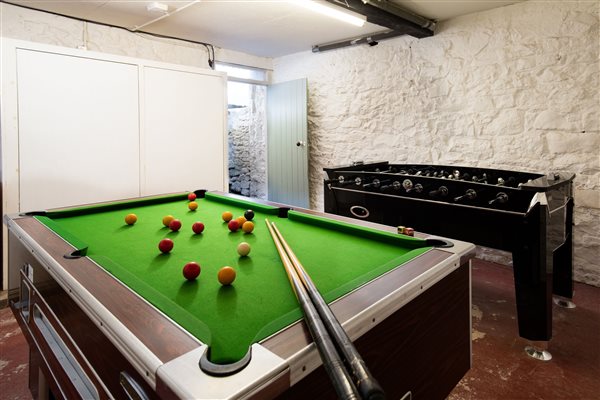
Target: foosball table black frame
530	215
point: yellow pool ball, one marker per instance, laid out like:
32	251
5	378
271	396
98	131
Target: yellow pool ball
192	205
130	219
248	226
167	220
227	216
226	276
243	249
241	220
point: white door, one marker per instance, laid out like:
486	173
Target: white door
287	143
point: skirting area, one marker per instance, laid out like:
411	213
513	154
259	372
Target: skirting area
501	369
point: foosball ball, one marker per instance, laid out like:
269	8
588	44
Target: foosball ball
528	214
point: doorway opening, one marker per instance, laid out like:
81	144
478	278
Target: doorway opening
247	130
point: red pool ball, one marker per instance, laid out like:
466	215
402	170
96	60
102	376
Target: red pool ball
175	225
192	196
165	245
198	227
191	270
233	225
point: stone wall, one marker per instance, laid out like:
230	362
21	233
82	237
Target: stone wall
248	145
512	88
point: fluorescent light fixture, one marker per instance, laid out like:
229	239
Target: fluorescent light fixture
156	7
331	11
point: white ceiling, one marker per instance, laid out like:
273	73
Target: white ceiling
268	28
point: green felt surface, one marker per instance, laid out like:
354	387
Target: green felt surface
260	302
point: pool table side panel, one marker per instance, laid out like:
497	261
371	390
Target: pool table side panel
400	351
362	310
269	390
296	337
44	369
146	323
100	360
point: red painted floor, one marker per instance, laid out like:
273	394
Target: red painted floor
501	369
14	362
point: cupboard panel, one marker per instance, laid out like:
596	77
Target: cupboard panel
183	138
78	130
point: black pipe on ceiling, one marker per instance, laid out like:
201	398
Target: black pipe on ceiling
389	15
371	39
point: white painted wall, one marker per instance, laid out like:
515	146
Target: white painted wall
36	26
513	88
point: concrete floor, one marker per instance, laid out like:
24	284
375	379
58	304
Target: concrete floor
501	369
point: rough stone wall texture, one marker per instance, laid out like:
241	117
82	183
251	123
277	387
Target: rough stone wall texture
248	146
512	88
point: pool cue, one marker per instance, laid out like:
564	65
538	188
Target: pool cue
333	364
368	386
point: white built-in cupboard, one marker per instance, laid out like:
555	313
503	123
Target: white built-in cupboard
81	127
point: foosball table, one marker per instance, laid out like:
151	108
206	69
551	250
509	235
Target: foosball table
528	214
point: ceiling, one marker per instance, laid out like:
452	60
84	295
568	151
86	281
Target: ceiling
267	28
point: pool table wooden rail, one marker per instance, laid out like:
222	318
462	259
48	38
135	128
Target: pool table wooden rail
111	332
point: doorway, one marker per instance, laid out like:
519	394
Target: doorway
247	137
247	129
267	136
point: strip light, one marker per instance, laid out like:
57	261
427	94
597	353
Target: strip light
331	11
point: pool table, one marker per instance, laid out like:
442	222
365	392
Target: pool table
108	315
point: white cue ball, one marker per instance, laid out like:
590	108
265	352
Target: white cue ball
243	249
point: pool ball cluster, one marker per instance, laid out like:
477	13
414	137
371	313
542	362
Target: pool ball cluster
403	230
244	222
192	269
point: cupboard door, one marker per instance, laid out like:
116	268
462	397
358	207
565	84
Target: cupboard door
183	141
78	130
